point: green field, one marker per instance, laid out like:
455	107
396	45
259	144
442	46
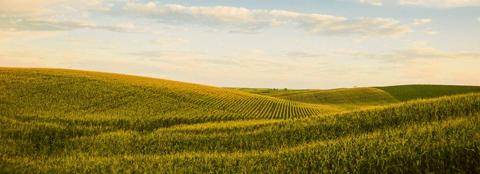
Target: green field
69	121
348	99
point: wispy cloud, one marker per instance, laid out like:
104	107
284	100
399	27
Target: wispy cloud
176	41
52	15
25	6
217	13
29	24
241	19
430	32
425	52
419	51
47	15
372	2
427	3
422	63
302	55
440	3
45	7
422	21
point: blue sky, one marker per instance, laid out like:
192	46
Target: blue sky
282	43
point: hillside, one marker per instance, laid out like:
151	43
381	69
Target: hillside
355	98
69	121
442	135
73	95
274	92
411	92
351	96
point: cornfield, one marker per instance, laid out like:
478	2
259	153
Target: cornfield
65	121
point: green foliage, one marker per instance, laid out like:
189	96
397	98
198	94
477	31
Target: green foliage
345	98
353	96
411	92
274	92
86	97
59	121
357	98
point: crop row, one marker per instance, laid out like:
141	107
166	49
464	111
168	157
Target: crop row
421	136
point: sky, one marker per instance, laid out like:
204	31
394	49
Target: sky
316	44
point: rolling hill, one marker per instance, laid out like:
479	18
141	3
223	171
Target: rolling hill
69	94
357	98
412	92
69	121
345	97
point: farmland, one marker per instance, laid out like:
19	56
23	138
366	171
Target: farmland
69	121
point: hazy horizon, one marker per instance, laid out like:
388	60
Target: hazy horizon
302	44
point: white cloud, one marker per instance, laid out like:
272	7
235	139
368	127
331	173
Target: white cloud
25	6
220	13
44	7
372	2
46	15
429	3
458	71
421	21
424	21
362	26
420	50
242	19
430	32
13	24
52	15
422	63
440	3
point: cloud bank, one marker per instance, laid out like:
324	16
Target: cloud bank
255	19
441	3
43	16
428	3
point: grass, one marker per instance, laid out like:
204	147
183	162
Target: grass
64	121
